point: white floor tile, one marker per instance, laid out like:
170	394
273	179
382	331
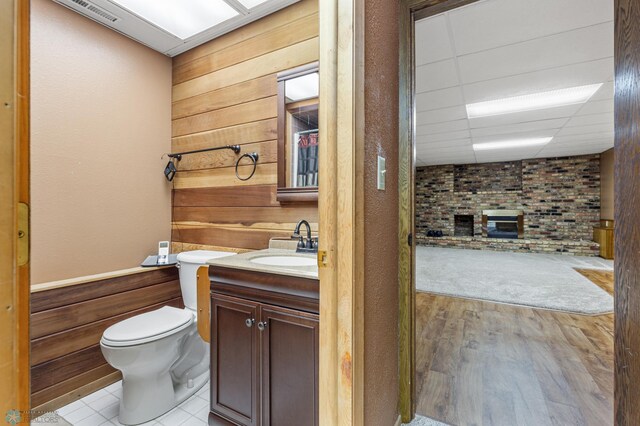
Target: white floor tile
94	396
174	417
193	421
79	414
114	386
111	411
203	414
70	408
203	392
93	420
103	402
194	404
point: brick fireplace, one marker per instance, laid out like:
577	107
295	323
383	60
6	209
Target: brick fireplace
558	198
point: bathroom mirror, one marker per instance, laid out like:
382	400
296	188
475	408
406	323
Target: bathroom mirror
298	140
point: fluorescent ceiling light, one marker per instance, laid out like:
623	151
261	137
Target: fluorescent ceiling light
515	143
303	87
184	18
251	3
533	101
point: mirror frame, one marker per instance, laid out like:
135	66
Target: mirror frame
287	194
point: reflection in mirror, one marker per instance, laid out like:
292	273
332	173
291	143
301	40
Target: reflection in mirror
298	134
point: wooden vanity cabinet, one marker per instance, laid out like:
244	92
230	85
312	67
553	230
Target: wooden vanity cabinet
264	356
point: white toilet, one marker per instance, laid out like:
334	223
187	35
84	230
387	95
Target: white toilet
162	357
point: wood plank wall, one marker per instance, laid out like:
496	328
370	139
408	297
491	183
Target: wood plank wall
67	324
224	92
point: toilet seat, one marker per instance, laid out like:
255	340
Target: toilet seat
147	327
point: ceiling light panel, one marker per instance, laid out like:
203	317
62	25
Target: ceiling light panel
184	18
303	87
533	101
515	143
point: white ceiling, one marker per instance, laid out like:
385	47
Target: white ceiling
496	49
142	29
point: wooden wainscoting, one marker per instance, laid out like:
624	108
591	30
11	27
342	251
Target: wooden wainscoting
224	92
67	323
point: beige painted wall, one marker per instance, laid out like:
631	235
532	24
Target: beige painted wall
101	120
606	185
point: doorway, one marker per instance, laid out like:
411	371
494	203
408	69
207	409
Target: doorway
415	11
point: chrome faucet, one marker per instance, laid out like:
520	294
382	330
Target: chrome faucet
308	246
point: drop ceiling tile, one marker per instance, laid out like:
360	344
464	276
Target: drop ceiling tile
426	144
441	115
445	127
558	78
586	120
461	134
587	130
596	107
519	127
437	75
432	41
492	156
439	99
524	117
488	24
605	92
581	45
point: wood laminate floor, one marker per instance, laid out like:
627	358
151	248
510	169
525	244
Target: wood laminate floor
483	363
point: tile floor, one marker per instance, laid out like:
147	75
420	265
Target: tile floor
101	408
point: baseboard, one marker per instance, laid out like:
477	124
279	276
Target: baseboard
79	393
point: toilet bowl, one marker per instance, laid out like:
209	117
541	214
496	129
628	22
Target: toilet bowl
162	357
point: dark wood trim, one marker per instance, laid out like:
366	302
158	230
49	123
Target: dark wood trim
434	7
59	344
55	298
302	294
77	314
627	213
60	369
298	195
410	11
226	196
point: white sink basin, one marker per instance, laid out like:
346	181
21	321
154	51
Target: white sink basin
280	260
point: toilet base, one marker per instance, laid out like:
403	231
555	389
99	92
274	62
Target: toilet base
138	406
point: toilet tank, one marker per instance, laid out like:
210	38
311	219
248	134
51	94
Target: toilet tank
189	262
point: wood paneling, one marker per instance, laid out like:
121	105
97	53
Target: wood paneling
485	363
67	324
626	212
225	93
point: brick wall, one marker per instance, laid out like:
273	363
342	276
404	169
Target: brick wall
560	197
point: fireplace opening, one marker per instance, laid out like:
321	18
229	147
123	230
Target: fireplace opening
463	225
503	224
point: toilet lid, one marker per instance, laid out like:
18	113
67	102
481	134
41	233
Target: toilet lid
148	326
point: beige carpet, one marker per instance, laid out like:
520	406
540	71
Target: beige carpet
533	280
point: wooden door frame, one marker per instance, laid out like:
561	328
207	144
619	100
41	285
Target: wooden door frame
410	11
627	214
340	212
14	183
627	199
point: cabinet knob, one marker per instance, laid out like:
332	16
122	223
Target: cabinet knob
249	322
262	325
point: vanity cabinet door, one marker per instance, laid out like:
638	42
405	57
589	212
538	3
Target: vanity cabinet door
234	360
289	366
